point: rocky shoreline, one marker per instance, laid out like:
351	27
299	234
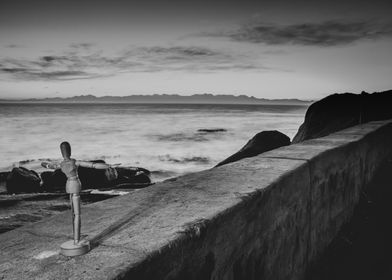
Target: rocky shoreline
23	180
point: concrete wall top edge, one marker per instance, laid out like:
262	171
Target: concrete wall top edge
312	148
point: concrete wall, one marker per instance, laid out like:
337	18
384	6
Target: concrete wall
265	217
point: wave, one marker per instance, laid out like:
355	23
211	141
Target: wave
179	137
195	159
201	135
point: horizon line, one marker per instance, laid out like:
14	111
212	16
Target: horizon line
97	98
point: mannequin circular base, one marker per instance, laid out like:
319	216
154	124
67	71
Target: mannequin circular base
70	249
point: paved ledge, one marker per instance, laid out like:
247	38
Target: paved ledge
264	217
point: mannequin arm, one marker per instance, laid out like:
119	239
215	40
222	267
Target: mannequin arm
89	164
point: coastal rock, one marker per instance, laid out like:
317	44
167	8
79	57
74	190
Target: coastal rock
340	111
262	142
3	176
90	178
22	180
211	130
3	179
97	178
126	177
131	178
131	171
93	178
53	180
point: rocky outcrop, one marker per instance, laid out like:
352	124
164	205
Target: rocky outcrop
340	111
211	130
53	181
93	178
3	176
3	181
125	177
262	142
23	180
131	178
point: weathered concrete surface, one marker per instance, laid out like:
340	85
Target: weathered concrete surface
22	209
265	217
362	248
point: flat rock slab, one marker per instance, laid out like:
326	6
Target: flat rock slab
23	209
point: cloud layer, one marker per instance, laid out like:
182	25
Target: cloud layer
81	61
328	33
86	61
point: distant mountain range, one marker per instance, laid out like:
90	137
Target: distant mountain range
163	98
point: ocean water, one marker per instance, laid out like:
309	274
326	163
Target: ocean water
163	138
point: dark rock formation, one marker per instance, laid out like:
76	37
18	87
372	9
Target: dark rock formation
211	130
93	178
53	181
90	178
98	178
262	142
23	180
3	179
340	111
3	176
129	178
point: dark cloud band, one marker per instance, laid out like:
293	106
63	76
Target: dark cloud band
329	33
82	62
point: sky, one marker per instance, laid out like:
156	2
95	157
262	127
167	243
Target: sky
267	49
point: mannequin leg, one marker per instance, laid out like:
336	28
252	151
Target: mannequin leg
75	247
72	214
76	217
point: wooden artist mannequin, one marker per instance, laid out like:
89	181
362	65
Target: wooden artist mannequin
69	167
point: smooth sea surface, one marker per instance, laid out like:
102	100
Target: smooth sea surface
163	138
